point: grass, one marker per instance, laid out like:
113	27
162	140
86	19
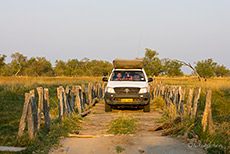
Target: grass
119	149
220	109
12	90
122	125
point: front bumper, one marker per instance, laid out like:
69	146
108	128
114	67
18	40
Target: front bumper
138	99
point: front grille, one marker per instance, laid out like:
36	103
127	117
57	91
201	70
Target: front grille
127	90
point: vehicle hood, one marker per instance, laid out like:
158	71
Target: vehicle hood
114	84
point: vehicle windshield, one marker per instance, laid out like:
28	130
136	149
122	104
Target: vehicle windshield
128	76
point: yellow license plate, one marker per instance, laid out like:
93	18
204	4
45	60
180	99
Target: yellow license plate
126	100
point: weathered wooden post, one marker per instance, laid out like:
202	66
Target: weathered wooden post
90	86
60	103
77	99
181	99
196	101
207	116
189	102
40	104
103	90
67	99
22	124
30	121
154	87
46	108
151	92
34	110
100	90
83	95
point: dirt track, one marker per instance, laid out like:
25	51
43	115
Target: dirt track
144	141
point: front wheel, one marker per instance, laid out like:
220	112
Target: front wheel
147	108
108	108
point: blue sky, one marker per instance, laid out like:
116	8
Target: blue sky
188	30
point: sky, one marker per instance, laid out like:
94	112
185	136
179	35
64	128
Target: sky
188	30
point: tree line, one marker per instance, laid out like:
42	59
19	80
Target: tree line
20	65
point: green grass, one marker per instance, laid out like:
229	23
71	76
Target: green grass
119	149
11	105
220	111
122	125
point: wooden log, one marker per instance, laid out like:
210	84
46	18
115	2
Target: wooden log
30	121
90	86
100	91
95	100
77	100
154	87
67	99
34	111
103	90
181	100
40	104
60	103
151	92
189	102
207	115
195	102
83	136
46	108
83	114
83	95
74	97
80	97
22	123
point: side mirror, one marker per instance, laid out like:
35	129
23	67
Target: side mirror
105	79
150	79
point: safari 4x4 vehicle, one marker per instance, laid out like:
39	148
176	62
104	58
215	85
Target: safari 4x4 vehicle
127	85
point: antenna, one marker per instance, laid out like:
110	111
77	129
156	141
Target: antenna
139	45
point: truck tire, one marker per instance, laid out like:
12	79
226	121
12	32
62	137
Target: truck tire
108	108
147	108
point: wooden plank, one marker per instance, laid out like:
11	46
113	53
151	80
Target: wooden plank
207	115
189	102
12	149
40	104
34	111
46	109
22	123
30	121
195	102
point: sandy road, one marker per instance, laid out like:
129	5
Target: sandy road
144	141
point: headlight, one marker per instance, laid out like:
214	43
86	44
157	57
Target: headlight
143	90
109	90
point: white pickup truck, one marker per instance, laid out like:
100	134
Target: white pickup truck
127	85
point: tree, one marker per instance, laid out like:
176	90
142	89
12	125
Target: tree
221	70
2	63
18	63
60	68
205	68
173	68
152	64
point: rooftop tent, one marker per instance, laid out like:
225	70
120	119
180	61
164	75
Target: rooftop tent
128	63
